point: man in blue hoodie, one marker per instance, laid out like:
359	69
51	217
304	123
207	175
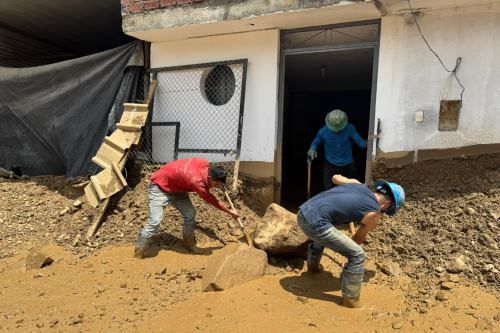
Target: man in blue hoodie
336	138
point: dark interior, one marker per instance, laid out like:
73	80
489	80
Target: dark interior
316	83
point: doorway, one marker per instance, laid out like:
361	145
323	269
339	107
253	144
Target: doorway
323	69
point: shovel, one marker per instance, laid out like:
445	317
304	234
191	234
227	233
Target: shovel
308	178
352	228
242	227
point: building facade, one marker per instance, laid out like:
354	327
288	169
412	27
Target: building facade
418	79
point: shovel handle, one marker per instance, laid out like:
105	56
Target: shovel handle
308	178
242	227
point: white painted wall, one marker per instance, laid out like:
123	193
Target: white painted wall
262	51
410	78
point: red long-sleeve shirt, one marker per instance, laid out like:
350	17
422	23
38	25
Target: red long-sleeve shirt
187	175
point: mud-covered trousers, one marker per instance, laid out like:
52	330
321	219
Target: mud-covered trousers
334	239
158	200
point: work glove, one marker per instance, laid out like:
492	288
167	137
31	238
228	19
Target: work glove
311	154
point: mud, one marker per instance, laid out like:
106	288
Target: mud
432	268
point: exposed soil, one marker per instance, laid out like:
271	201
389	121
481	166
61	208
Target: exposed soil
412	283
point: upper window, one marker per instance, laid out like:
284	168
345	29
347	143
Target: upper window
219	85
331	36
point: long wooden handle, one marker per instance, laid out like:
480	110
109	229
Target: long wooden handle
247	236
308	179
352	229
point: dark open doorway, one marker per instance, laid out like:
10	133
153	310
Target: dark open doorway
314	84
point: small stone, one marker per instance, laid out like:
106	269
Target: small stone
123	285
39	325
76	241
439	269
488	267
447	285
77	203
471	211
100	289
397	324
456	265
64	211
442	296
494	214
389	267
53	322
302	299
484	324
37	259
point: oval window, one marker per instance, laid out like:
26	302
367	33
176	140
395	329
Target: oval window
219	85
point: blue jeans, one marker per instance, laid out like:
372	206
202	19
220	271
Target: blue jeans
158	200
335	240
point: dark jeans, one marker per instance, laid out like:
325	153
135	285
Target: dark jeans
329	170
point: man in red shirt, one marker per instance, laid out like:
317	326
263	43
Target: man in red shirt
171	185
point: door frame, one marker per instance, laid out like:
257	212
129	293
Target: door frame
370	154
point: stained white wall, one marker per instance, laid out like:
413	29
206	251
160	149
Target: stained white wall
262	51
411	79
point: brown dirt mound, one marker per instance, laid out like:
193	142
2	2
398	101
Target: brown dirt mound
452	208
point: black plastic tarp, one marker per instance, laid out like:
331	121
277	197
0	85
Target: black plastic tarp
53	118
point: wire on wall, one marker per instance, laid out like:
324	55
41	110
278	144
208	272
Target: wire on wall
459	59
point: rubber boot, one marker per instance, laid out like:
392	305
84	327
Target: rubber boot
313	258
141	246
189	242
351	289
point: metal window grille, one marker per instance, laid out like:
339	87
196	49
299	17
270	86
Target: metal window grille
197	111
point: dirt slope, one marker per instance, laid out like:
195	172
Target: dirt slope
452	211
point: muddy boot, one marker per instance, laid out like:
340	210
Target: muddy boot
140	247
351	289
313	258
189	243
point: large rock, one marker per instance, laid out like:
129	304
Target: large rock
278	233
233	265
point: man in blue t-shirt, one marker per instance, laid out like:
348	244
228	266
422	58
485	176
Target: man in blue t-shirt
336	138
350	201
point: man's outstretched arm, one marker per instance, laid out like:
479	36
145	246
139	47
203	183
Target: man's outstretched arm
341	180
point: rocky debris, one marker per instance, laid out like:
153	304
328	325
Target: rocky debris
456	265
389	267
37	259
233	265
436	231
278	233
77	204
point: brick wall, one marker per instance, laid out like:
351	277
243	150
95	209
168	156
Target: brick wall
140	6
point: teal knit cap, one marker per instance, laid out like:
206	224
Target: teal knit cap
336	120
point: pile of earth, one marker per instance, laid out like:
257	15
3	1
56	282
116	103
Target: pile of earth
449	222
41	210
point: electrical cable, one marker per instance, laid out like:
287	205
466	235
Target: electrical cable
457	64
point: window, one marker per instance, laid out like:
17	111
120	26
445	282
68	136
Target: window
219	85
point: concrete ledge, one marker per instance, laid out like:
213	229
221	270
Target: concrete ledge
399	158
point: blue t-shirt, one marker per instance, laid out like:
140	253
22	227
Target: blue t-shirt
338	149
340	205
